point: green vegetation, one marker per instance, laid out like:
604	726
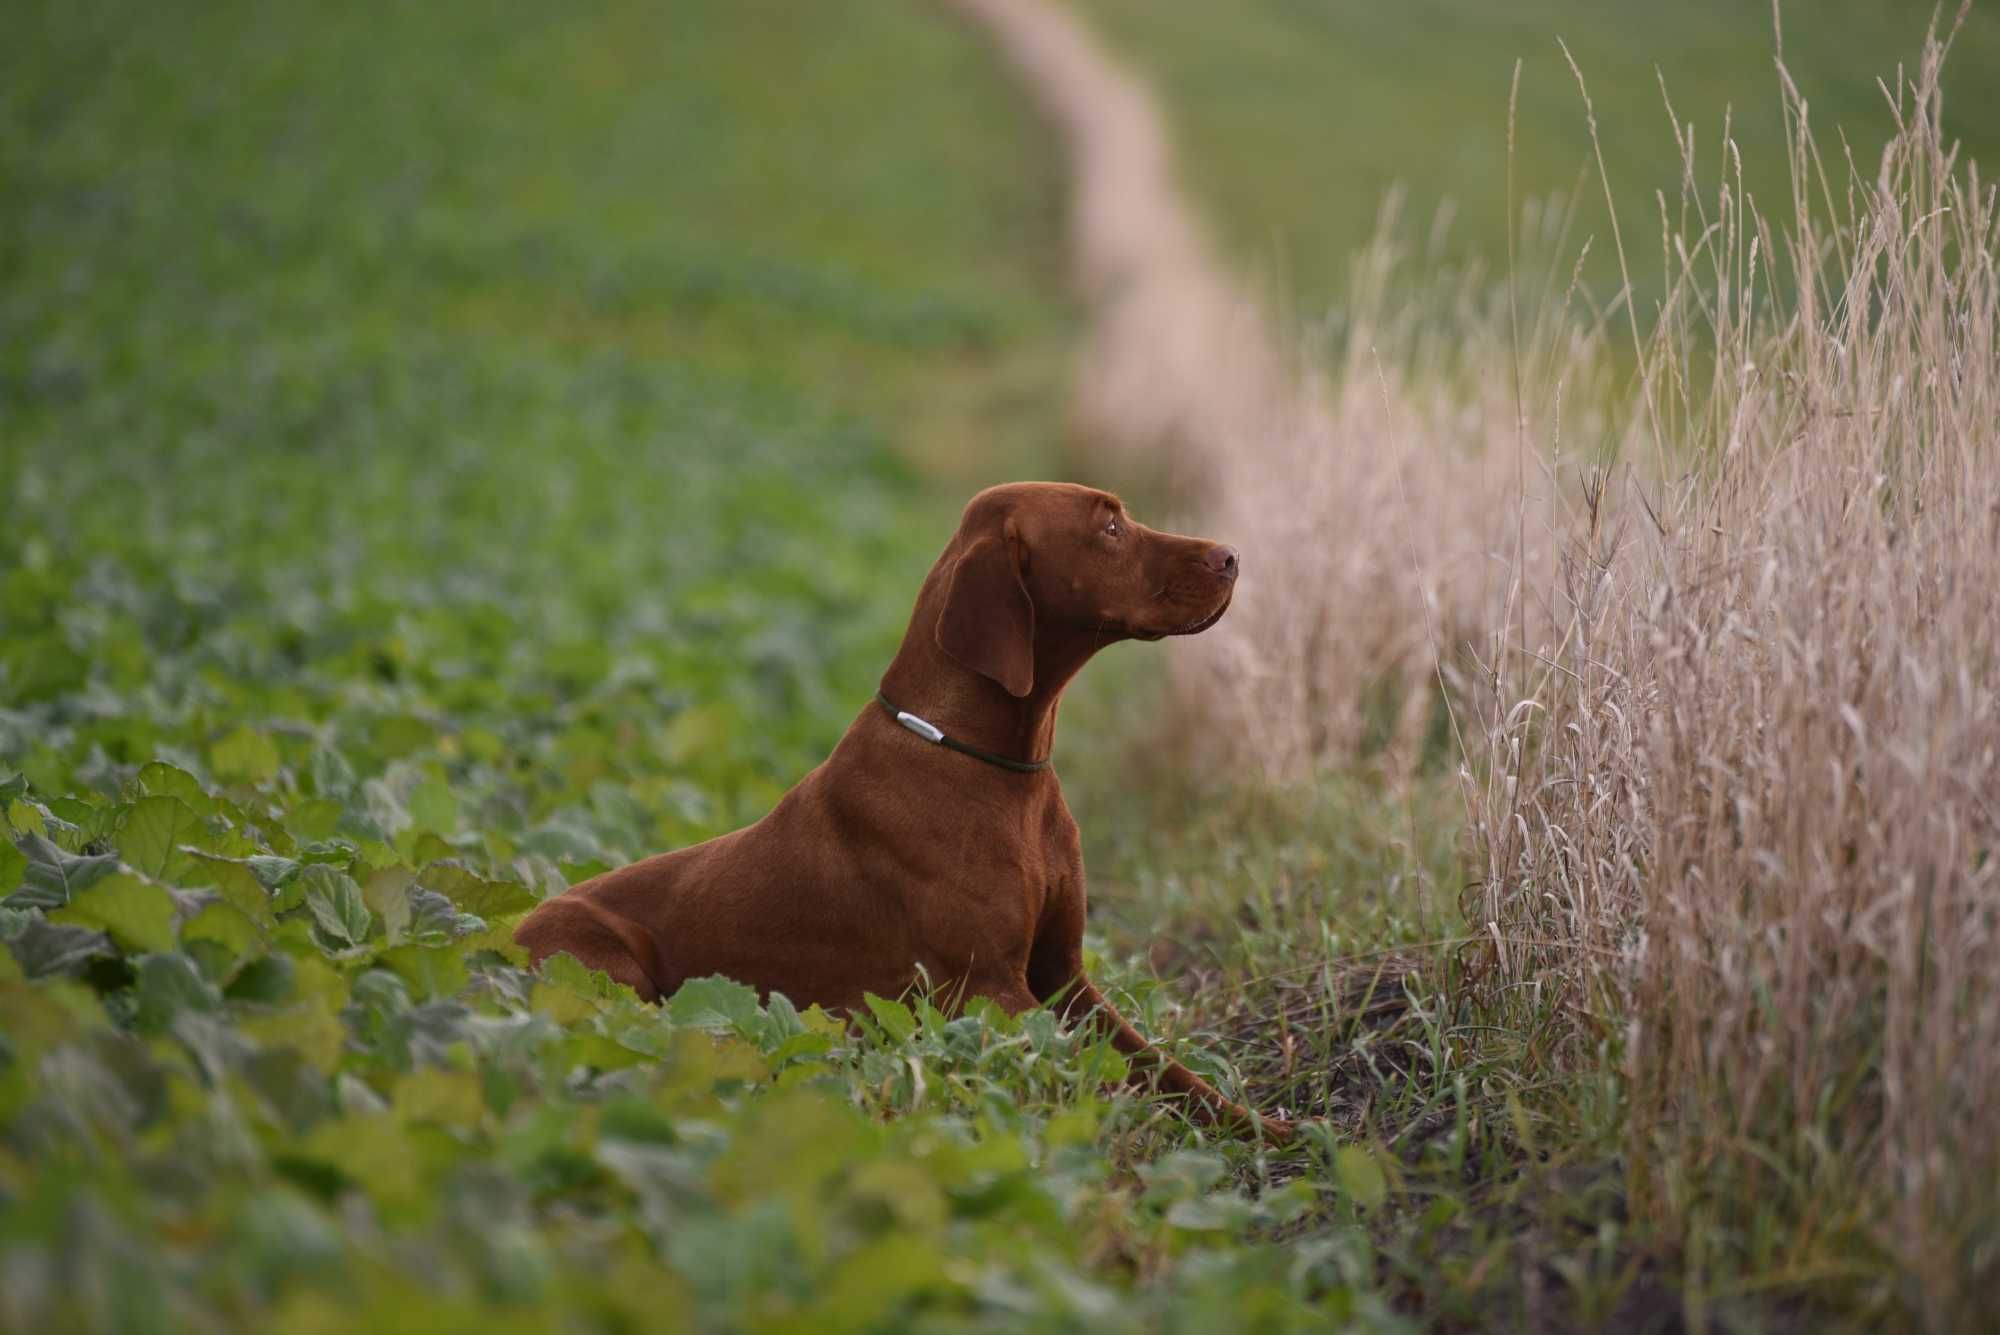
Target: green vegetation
1295	118
569	400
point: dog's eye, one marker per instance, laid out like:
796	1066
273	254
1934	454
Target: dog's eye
1114	529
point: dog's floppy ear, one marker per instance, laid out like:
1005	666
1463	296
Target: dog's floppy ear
988	623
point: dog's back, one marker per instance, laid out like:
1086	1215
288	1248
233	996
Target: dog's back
792	904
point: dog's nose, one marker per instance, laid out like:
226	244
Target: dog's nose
1221	558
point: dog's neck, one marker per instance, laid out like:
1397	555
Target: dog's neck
971	708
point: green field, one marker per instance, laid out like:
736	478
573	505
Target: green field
567	412
1295	118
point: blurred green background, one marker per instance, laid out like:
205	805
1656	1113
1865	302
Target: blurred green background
1296	117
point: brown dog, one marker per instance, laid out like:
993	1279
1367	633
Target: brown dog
934	840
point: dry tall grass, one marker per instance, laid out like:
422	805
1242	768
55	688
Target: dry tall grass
1387	512
1739	827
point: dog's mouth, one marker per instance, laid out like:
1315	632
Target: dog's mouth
1194	627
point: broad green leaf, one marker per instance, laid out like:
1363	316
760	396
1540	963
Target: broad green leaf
714	1002
794	1140
433	808
561	1004
382	809
474	894
387	894
89	821
800	1045
426	848
245	756
1361	1175
498	938
40	666
873	1283
168	985
894	1017
431	1094
160	779
44	948
314	818
907	1188
784	1016
229	835
152	834
138	914
226	925
311	1028
399	735
45	1014
576	873
433	972
330	773
381	1155
1183	1174
699	1060
272	872
816	1021
12	863
336	905
266	979
238	883
569	990
634	1119
52	877
433	920
288	1085
586	1047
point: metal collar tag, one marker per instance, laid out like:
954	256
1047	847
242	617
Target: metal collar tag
923	728
933	734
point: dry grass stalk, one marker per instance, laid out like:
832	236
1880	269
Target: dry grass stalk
1746	801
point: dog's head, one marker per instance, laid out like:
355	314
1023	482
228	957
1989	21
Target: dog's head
1050	558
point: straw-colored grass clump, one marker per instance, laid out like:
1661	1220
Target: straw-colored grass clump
1739	827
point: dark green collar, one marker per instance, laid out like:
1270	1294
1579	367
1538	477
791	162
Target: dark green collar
930	732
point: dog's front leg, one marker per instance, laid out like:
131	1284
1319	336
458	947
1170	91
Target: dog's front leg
1055	976
1203	1101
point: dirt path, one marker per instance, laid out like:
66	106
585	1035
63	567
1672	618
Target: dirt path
1180	360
